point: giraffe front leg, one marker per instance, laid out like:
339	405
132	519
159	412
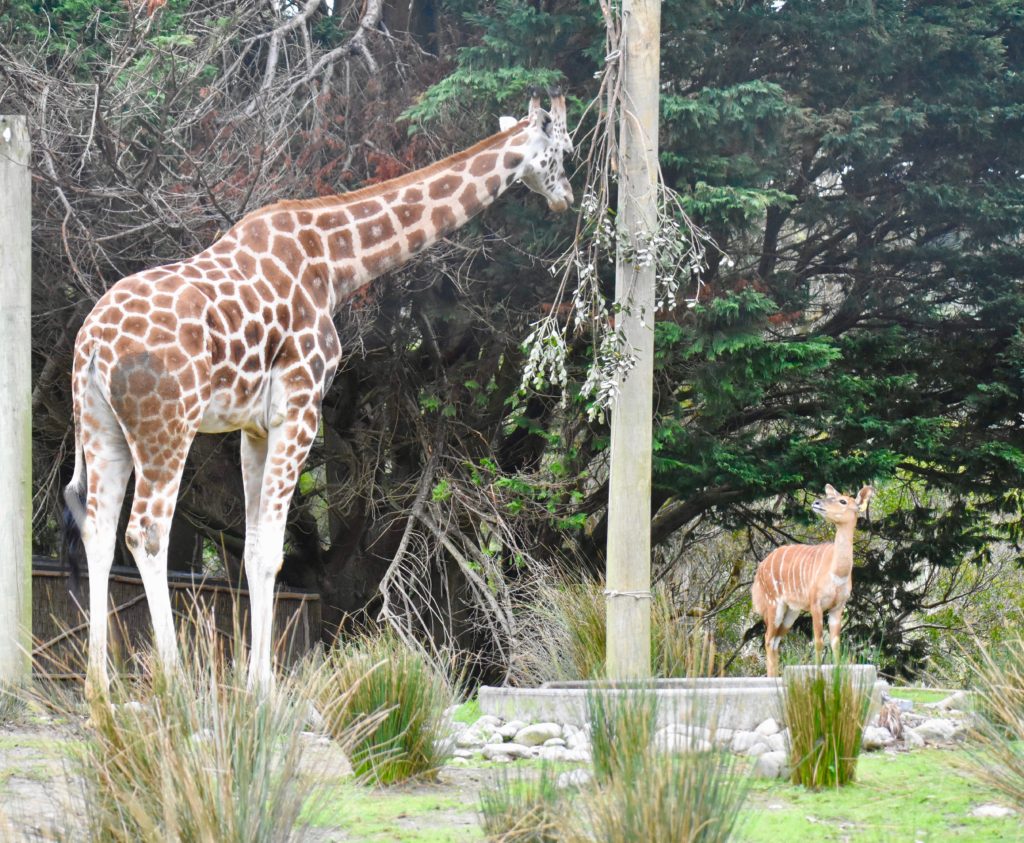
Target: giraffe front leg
285	451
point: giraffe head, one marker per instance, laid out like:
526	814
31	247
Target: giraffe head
547	142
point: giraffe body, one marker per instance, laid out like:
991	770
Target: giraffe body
817	578
241	337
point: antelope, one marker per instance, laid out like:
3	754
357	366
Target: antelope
799	578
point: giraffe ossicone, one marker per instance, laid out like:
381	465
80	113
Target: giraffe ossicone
241	337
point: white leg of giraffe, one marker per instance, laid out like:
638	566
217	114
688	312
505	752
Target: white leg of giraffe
254	461
286	448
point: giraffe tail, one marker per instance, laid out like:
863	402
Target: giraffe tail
72	519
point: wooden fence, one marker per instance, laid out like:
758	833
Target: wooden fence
60	629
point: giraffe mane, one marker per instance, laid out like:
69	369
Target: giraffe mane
319	202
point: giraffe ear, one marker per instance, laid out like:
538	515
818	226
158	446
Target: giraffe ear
505	122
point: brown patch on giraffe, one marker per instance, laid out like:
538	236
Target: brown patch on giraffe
312	243
237	351
164	319
191	272
163	301
386	258
276	277
192	338
339	245
283	222
417	239
483	164
135	326
317	366
408	214
232	314
376	231
443	220
134	305
331	220
150	406
246	263
252	364
159	336
285	250
328	336
390	197
254	235
227	289
284	316
205	265
314	282
444	186
518	140
492	184
469	201
304	218
250	301
362	210
512	160
413	194
253	333
263	290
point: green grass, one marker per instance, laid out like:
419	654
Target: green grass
925	795
376	815
919	696
469	712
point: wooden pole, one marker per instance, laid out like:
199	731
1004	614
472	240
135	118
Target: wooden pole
15	403
629	494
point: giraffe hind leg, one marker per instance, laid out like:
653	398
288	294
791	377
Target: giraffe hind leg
107	465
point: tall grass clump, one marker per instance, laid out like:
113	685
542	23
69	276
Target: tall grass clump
520	808
194	756
645	791
565	636
826	710
622	726
999	727
12	704
381	677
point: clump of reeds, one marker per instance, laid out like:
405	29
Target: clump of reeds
646	792
192	755
12	704
826	711
998	733
567	636
395	684
622	726
523	808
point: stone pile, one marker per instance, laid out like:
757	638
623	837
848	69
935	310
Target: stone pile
491	739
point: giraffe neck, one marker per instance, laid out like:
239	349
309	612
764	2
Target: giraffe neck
338	244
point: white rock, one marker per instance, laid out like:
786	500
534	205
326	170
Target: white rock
554	742
937	730
677	743
742	741
723	737
513	750
458	761
876	737
537	733
580	754
314	719
576	738
462	753
778	742
574	778
993	810
487	720
469	739
760	747
507	732
912	740
958	700
768	727
771	765
554	753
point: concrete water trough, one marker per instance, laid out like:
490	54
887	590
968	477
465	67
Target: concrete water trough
725	703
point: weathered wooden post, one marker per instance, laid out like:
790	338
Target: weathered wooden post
629	494
15	403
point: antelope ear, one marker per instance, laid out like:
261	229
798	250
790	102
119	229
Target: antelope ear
864	497
505	123
831	491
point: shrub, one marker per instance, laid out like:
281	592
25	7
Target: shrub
826	709
999	728
380	677
519	808
200	759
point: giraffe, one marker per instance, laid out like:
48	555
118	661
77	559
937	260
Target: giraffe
241	337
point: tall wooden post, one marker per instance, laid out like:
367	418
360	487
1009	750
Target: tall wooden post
15	403
629	494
